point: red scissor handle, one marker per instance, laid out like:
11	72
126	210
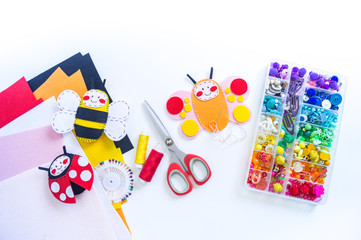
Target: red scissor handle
190	160
176	171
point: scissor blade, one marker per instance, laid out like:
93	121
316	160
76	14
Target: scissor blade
157	122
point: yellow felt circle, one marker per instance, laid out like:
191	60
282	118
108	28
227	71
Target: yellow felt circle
183	114
231	98
241	113
186	100
190	128
228	90
188	108
240	98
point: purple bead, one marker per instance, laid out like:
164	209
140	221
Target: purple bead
294	76
326	85
276	65
284	66
295	69
273	72
313	76
302	72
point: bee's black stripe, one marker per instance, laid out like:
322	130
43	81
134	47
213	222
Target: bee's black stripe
91	115
85	132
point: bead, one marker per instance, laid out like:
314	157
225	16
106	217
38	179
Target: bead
280	160
280	150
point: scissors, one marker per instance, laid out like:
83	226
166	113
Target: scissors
182	164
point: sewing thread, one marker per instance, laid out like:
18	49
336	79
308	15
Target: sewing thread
150	166
141	150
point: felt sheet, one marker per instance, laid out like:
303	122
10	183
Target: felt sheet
37	117
29	211
91	78
59	82
23	151
15	101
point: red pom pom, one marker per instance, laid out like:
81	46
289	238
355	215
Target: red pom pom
305	189
294	190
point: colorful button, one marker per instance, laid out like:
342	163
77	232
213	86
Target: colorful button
239	86
261	138
241	113
315	101
231	98
190	128
335	99
174	105
311	92
326	104
188	108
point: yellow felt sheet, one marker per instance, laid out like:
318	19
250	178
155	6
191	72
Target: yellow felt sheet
101	150
59	82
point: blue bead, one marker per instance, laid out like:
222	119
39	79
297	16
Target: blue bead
334	78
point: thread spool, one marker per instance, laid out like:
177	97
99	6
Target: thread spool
150	166
141	150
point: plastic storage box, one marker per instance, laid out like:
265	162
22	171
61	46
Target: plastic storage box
297	132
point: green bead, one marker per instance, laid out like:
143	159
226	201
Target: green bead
308	127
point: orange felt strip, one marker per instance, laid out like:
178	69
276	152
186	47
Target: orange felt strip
121	214
212	111
59	82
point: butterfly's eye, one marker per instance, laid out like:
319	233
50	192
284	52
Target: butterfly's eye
102	100
86	98
53	171
65	161
199	93
214	88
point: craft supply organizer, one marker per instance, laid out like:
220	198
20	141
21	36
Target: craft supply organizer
296	138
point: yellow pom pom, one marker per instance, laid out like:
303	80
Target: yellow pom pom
277	187
282	133
258	147
280	150
327	163
280	160
297	149
302	145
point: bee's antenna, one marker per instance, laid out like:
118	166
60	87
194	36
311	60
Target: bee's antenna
193	81
42	168
64	149
211	74
92	85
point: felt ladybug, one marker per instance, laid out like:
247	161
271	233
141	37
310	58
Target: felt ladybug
69	175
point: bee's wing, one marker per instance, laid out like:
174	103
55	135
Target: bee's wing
115	129
179	106
236	91
119	110
68	100
63	121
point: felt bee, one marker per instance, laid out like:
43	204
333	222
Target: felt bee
90	116
69	175
210	106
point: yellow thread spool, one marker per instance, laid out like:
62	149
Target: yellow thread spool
141	150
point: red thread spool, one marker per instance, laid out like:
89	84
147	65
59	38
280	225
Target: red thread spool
151	165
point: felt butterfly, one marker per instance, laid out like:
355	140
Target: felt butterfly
210	106
69	175
90	116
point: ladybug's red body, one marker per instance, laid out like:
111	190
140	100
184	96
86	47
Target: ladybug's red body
69	175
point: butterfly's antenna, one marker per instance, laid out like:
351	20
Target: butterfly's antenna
42	168
64	149
104	84
211	74
193	81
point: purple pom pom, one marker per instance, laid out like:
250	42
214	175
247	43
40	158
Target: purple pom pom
313	76
333	85
276	65
295	69
294	76
302	72
273	72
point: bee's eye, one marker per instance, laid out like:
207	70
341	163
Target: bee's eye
86	98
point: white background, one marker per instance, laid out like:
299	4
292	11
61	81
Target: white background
145	48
